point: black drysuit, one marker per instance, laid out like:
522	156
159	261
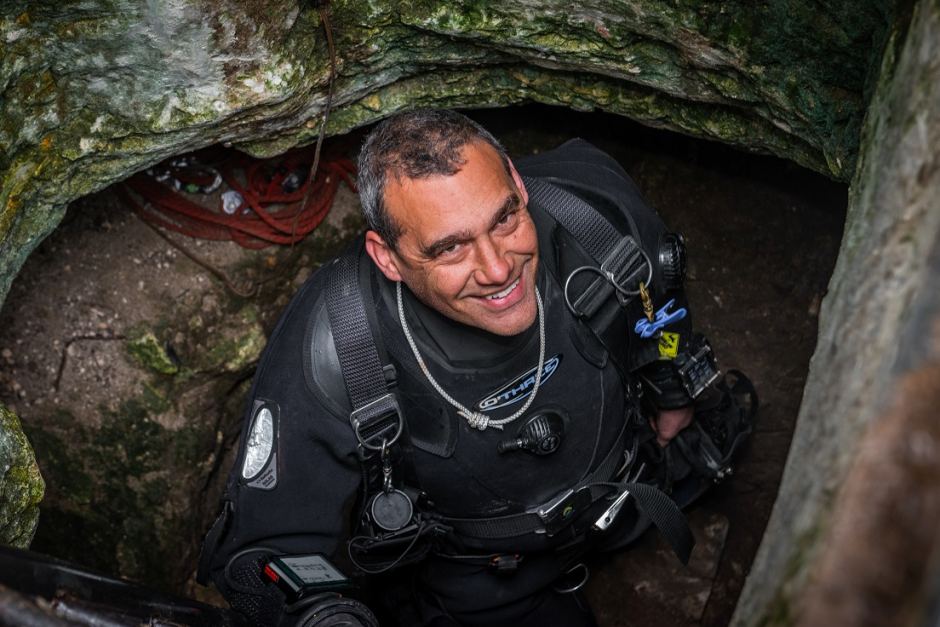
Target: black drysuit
308	499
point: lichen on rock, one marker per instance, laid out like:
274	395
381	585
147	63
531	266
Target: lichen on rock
21	485
150	353
99	91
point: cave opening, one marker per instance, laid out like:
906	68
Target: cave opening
107	426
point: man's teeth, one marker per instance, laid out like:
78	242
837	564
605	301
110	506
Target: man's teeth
505	292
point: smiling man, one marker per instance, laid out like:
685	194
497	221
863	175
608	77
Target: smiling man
462	240
481	392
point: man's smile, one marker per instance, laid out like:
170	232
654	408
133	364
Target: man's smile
505	292
508	297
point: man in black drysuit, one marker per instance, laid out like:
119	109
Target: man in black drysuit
537	377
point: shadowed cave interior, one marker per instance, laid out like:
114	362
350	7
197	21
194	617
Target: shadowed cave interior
129	472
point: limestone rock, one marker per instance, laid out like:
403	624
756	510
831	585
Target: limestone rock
102	89
21	486
878	327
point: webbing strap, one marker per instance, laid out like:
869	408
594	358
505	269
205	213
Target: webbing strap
666	515
584	222
358	356
621	262
375	410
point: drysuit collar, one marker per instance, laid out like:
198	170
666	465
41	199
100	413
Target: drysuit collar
453	343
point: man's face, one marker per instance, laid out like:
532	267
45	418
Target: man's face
468	246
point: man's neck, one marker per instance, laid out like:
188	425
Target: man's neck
444	339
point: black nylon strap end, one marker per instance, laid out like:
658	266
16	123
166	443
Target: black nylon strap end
667	517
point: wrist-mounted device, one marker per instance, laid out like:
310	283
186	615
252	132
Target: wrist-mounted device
674	383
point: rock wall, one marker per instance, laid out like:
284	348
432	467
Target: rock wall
129	370
855	524
91	92
21	486
94	91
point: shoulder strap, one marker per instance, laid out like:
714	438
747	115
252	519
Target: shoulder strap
376	416
621	262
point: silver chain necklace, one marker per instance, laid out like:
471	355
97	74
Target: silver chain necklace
475	419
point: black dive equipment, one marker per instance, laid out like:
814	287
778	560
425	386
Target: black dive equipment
698	368
541	435
724	417
300	575
309	584
330	609
672	260
391	510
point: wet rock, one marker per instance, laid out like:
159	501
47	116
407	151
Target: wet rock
21	485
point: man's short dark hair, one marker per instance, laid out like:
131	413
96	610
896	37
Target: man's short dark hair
415	144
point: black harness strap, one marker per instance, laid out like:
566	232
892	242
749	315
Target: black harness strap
622	262
561	511
587	225
376	416
545	518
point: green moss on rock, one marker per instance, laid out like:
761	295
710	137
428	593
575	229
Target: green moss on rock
125	486
234	346
104	89
147	350
21	485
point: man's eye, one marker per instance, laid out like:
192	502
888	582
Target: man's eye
507	217
447	250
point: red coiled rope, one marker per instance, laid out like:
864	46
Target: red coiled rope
270	214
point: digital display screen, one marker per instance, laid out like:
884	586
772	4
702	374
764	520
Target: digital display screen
312	569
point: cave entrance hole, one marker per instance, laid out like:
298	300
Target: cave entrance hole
763	235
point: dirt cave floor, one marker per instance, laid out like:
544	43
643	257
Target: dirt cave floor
762	236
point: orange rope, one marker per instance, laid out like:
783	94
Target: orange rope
274	215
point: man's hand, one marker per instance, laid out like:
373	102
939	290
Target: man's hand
669	422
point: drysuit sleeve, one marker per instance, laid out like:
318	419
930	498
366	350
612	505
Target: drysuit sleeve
295	479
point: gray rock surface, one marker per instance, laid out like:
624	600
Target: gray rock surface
21	486
94	91
97	90
878	324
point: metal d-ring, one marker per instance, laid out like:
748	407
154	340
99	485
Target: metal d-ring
609	276
580	584
648	282
356	423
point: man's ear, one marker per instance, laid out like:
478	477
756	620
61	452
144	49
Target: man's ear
383	256
518	181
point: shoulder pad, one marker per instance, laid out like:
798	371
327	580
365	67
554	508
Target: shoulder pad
322	371
557	160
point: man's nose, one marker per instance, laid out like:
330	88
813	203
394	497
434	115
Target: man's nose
493	268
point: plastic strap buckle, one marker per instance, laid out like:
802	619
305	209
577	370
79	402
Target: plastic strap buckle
559	513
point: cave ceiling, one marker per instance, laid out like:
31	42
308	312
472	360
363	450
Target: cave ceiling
91	92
